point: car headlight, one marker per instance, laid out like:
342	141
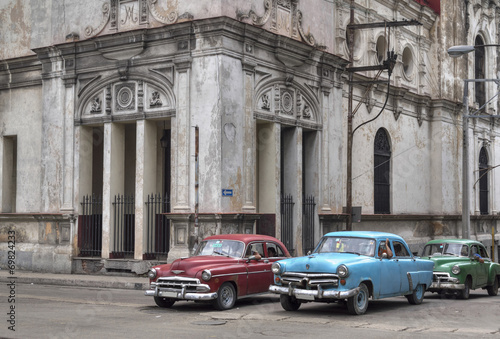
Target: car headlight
206	275
455	269
342	271
152	273
276	268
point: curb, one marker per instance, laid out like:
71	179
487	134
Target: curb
74	282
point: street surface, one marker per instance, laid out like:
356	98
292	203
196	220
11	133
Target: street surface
70	312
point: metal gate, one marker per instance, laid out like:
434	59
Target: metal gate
157	227
308	216
90	227
287	222
123	227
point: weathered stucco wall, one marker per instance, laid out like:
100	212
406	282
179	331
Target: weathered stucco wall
31	24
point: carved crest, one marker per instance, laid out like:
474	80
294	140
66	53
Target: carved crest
118	15
284	18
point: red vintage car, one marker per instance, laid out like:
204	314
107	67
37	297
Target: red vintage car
223	268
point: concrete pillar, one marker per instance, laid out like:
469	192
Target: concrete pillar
181	164
268	178
113	179
181	128
145	182
277	173
84	140
249	149
325	183
68	151
292	171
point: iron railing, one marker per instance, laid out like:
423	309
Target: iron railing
123	227
157	242
287	221
90	227
308	216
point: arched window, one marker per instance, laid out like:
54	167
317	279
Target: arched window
382	173
483	181
479	71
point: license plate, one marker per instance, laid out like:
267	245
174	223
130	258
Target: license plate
304	297
167	294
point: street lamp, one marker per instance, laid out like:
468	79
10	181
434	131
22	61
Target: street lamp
455	52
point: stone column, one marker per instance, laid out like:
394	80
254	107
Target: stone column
181	163
181	127
113	179
145	179
249	145
68	146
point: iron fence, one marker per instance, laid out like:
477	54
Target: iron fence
308	216
157	227
123	226
90	227
287	221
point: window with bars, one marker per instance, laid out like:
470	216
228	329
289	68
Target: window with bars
382	173
479	72
483	181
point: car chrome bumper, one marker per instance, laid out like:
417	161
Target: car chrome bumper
179	294
446	286
303	294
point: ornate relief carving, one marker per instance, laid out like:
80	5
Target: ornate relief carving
108	99
90	31
286	20
155	100
265	102
287	102
95	106
125	97
132	14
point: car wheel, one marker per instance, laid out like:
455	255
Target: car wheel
358	304
289	303
417	296
226	297
493	289
465	293
164	302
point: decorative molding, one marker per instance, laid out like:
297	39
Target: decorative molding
122	13
286	19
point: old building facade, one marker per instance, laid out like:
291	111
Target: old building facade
131	129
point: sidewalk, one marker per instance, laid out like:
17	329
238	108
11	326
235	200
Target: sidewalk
81	280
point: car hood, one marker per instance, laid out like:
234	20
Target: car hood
447	260
190	266
322	262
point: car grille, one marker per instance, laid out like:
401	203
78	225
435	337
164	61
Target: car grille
310	280
441	277
178	283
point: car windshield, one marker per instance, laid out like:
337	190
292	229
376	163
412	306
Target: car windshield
230	248
361	246
458	250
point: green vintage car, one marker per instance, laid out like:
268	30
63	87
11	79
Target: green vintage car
461	265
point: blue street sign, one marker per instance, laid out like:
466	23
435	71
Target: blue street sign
227	192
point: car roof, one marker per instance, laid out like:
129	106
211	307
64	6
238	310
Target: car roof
244	237
364	234
454	241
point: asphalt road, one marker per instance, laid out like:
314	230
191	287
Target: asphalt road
70	312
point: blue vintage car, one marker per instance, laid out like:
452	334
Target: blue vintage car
352	266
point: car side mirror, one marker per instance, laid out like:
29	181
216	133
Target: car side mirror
384	256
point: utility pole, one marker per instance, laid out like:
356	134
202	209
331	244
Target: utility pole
388	64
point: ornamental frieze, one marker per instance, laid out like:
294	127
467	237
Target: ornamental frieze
123	15
286	103
120	100
281	17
